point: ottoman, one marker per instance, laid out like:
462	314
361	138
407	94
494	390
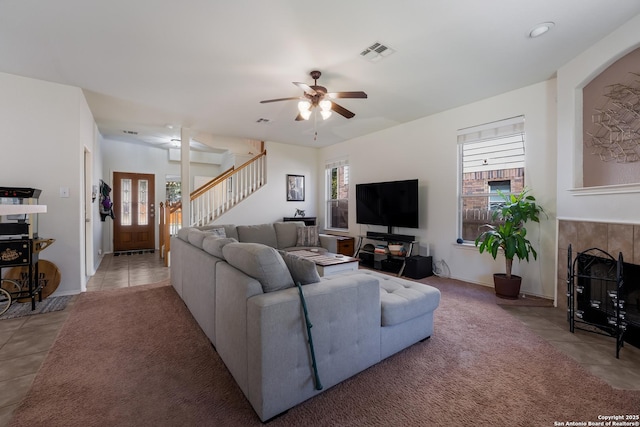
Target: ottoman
407	309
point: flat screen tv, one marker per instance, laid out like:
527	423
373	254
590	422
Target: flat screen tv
393	204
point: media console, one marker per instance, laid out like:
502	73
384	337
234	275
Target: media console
389	237
384	261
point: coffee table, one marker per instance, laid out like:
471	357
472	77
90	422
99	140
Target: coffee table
328	263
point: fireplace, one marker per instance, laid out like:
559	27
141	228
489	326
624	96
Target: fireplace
604	295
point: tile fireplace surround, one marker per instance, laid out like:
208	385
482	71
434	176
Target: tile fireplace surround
581	235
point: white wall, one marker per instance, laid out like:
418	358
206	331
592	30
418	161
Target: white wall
45	127
614	204
98	227
45	130
426	149
120	156
270	204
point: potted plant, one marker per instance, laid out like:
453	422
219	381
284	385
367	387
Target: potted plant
508	233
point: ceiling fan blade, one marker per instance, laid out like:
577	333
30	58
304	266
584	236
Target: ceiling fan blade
299	118
341	110
279	99
356	94
306	88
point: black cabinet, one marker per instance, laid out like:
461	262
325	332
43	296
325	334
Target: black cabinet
308	220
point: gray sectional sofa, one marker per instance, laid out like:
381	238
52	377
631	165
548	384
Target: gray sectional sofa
242	294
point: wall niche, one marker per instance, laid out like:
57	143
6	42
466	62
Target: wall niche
611	125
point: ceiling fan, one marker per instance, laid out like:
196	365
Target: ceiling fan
317	96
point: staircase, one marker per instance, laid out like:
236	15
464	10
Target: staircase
227	190
213	199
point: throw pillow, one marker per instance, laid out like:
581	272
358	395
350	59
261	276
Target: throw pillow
308	236
261	262
302	270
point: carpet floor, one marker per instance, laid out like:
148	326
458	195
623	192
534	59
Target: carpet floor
136	357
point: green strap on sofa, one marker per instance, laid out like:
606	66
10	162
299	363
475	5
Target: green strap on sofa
316	377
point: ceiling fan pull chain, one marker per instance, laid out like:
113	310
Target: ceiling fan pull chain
315	126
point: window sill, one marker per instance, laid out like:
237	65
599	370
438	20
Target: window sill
466	246
337	230
605	189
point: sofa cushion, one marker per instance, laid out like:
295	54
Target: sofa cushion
218	231
262	233
308	236
183	233
214	244
287	233
229	229
196	237
402	300
302	270
261	262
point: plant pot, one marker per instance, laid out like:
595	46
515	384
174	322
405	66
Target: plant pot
507	288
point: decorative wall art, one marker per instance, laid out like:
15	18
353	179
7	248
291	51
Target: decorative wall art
295	188
611	124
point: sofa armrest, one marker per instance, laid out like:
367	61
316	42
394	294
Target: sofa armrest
329	242
345	314
233	288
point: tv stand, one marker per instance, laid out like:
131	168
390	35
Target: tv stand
384	261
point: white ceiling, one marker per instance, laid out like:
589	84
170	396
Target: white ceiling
206	64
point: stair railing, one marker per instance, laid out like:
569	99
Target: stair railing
227	190
170	222
213	199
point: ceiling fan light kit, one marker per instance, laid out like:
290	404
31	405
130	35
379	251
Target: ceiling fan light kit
317	96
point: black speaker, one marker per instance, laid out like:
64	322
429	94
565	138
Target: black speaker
391	265
418	267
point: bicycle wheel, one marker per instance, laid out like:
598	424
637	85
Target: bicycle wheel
5	301
10	286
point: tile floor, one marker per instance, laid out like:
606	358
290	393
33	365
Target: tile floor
24	342
596	353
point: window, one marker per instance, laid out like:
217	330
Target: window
125	203
491	159
143	202
495	188
337	195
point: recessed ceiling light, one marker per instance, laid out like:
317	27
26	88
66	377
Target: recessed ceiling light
540	29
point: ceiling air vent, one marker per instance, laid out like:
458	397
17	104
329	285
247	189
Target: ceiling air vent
376	52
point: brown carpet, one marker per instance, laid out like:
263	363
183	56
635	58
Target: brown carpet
135	357
525	301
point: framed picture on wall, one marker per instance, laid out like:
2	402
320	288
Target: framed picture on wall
295	188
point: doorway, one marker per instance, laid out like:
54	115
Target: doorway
134	209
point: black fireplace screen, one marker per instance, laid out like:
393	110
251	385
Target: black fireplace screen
603	296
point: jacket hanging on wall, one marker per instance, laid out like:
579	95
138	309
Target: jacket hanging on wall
106	205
